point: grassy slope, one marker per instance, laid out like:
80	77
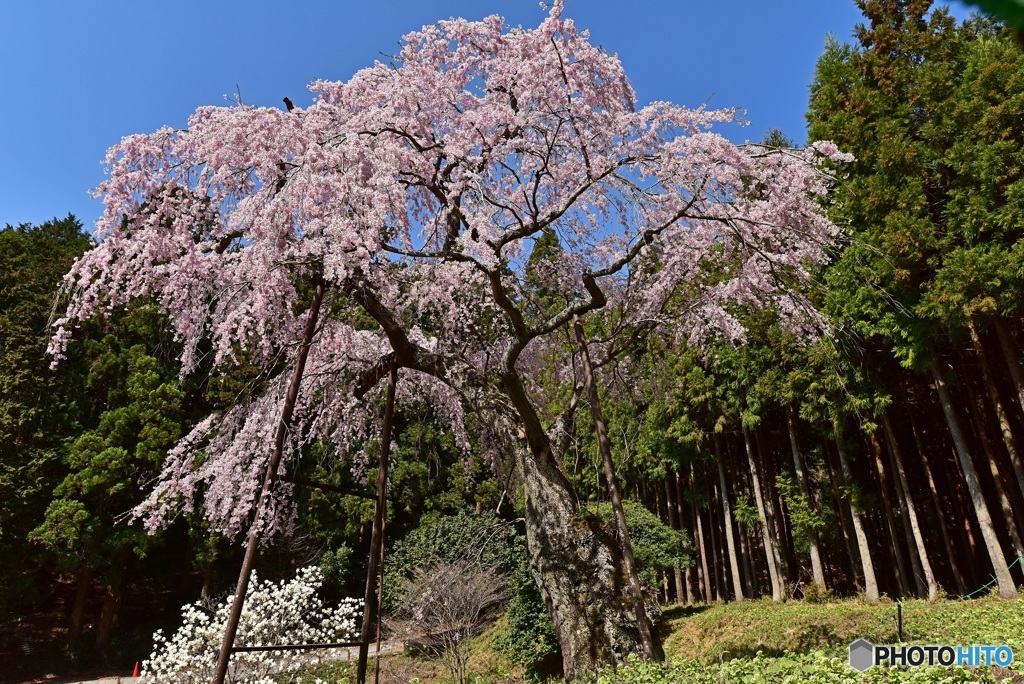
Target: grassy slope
760	641
742	629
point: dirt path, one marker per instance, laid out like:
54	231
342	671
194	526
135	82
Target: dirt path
312	658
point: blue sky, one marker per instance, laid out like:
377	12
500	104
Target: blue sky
77	76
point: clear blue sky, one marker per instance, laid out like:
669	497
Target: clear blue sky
78	75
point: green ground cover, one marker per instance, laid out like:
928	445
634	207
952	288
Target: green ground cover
764	642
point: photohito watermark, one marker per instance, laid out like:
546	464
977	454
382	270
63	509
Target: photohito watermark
864	654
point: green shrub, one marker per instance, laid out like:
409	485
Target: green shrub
529	637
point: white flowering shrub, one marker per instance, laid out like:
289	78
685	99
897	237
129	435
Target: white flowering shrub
287	612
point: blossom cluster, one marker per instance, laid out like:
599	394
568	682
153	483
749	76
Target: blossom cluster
286	612
416	192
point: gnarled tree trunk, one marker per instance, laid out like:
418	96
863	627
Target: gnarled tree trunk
574	559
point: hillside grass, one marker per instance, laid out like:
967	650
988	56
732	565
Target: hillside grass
758	641
740	630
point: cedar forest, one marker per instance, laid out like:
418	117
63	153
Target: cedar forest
680	369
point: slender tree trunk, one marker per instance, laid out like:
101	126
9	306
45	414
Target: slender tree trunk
207	580
749	576
988	531
715	556
870	583
1000	408
749	587
911	509
676	524
841	514
785	554
770	556
1012	521
709	594
895	546
921	588
964	509
1011	358
817	571
680	515
650	651
737	582
939	510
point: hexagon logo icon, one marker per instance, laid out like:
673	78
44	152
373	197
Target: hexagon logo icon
861	655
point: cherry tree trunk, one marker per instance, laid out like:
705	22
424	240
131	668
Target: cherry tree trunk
576	562
604	446
870	583
579	570
988	531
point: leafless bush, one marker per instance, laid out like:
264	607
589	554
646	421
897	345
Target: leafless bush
446	604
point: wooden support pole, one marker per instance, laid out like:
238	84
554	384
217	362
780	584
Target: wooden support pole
253	543
370	601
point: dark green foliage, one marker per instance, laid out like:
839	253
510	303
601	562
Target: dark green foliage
656	546
39	408
484	538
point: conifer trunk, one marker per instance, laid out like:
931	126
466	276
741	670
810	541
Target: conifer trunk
870	583
895	547
1012	521
911	510
737	582
841	512
997	403
629	565
676	524
702	547
939	511
1011	358
771	558
988	531
817	572
680	515
715	556
77	619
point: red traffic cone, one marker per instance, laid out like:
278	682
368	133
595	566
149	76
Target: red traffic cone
135	672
